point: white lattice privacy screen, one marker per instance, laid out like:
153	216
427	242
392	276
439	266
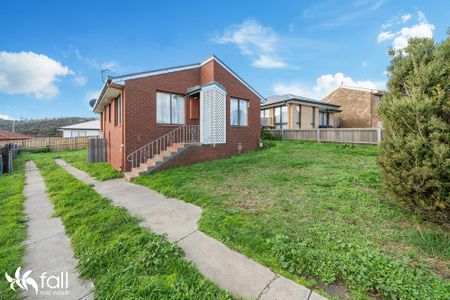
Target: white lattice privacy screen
213	115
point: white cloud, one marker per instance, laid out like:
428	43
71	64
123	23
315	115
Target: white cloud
400	38
405	18
328	15
93	63
109	65
399	19
423	30
30	73
269	62
80	80
91	95
421	17
281	88
4	117
385	35
256	41
324	85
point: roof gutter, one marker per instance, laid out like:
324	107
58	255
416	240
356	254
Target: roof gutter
108	84
330	107
105	85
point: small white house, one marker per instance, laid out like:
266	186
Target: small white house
90	128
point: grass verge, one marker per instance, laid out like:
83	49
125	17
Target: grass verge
78	159
124	260
12	225
317	214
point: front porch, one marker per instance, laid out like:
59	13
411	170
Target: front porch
205	123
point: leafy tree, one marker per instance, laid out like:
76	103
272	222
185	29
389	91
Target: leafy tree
415	152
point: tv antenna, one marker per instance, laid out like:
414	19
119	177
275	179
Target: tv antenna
103	71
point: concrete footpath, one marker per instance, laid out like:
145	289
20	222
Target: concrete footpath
177	219
48	251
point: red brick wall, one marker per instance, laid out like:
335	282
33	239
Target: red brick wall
140	105
139	122
196	154
248	136
207	73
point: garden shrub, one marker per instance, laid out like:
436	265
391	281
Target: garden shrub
267	135
415	151
44	149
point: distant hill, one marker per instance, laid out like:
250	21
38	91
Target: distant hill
42	127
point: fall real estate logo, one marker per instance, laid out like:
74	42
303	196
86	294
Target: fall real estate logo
50	285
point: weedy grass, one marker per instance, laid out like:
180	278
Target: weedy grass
124	260
78	159
12	225
316	213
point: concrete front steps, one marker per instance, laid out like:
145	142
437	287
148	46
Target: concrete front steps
152	164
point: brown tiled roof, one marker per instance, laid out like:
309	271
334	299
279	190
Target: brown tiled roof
8	135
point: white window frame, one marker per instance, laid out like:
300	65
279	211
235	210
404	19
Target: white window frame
283	124
119	110
171	98
241	103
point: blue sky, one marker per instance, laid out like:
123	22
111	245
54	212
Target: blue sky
52	52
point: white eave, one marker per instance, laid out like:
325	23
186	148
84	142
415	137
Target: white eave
110	91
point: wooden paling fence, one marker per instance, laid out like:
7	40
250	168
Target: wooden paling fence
332	135
53	143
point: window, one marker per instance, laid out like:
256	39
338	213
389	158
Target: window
323	119
109	113
313	117
377	99
298	111
119	111
281	114
169	108
264	113
238	112
266	120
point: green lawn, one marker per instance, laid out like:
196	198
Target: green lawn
124	260
78	158
12	225
317	214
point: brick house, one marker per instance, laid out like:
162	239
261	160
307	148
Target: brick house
296	112
359	106
177	116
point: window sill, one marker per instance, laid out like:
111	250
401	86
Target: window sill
238	126
168	125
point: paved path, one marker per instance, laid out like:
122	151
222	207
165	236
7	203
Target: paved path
47	247
178	220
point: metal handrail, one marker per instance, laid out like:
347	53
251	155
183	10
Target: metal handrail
182	134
